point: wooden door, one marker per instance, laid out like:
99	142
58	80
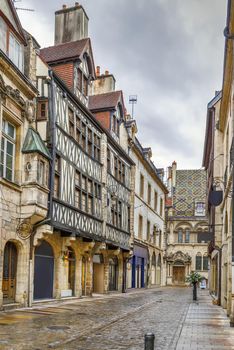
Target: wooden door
178	274
9	272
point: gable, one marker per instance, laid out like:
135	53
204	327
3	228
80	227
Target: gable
9	13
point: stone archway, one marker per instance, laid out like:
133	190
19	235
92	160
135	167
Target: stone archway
178	265
178	273
9	272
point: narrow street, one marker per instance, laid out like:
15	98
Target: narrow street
119	321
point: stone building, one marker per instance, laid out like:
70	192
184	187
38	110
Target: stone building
146	266
91	178
187	226
24	164
218	159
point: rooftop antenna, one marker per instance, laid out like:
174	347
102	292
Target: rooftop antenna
21	8
133	101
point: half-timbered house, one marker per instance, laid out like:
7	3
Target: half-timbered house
89	206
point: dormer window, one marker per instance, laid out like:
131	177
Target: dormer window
116	118
82	82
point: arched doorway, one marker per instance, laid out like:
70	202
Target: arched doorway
113	274
9	273
43	271
153	269
178	272
71	269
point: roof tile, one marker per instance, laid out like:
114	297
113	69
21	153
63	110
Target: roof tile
102	101
71	50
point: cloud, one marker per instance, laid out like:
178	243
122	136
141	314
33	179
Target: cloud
169	53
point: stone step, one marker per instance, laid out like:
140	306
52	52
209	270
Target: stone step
11	306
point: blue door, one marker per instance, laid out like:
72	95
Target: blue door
43	271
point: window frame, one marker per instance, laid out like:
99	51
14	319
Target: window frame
7	138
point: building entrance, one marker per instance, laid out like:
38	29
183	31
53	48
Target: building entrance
178	274
43	271
9	273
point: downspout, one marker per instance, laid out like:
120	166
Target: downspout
51	137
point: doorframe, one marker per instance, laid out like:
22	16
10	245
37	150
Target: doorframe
12	300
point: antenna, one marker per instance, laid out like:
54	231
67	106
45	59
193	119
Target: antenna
133	101
21	8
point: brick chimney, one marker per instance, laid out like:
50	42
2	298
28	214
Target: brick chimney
71	24
103	83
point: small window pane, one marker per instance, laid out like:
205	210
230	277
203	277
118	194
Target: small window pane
198	262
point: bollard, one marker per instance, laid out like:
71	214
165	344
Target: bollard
149	341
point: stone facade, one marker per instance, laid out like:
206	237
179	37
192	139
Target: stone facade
187	226
23	171
218	160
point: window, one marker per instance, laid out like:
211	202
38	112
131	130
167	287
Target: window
200	209
42	107
57	177
187	236
149	194
141	185
16	52
41	172
116	213
71	122
155	201
161	206
205	263
7	150
160	238
198	262
82	82
180	236
108	160
86	190
140	226
3	35
148	230
128	218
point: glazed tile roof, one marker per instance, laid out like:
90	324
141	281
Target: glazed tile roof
71	50
102	101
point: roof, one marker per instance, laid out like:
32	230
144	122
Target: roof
105	101
34	143
71	50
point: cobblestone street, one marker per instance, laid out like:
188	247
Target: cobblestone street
119	321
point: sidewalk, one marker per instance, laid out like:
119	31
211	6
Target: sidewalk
205	327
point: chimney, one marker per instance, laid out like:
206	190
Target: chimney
104	83
71	24
174	167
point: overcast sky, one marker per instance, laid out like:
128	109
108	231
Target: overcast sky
167	52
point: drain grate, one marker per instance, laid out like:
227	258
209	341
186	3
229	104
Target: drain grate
58	328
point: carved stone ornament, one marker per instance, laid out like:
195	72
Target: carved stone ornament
178	256
30	111
7	90
24	229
